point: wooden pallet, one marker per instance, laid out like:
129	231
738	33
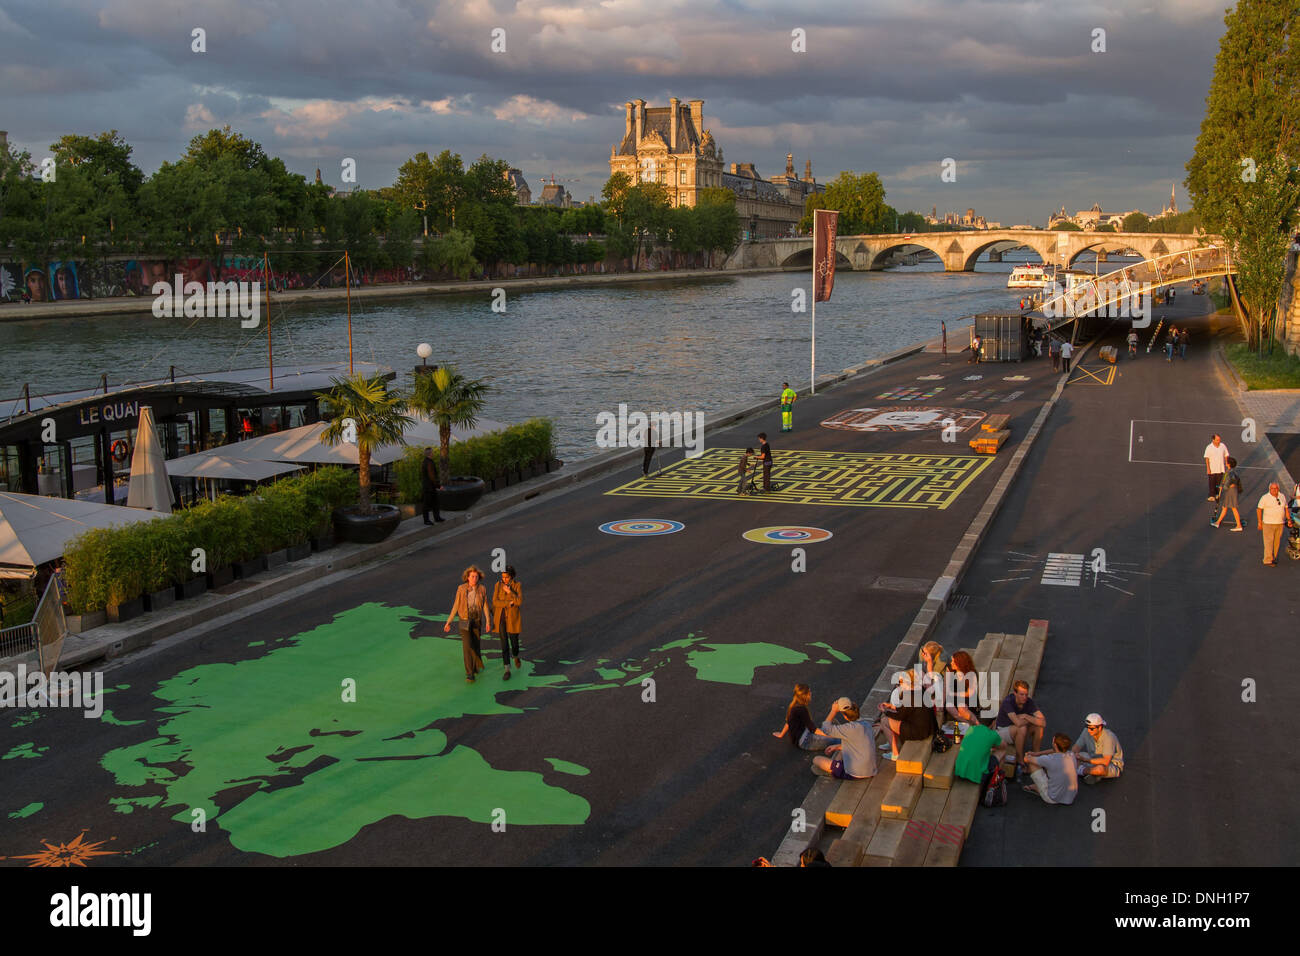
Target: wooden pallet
995	423
916	811
988	443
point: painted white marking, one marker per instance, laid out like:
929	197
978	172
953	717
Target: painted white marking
973	378
1130	440
1121	590
1015	378
928	378
1000	580
1063	569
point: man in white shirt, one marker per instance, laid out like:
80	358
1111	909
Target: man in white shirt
1272	513
1216	454
1067	349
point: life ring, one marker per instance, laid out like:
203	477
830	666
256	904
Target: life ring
118	450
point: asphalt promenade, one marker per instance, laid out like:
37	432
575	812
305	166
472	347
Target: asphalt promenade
244	719
1183	622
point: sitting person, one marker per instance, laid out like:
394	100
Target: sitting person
908	721
812	857
1099	751
1018	719
856	758
964	703
1055	773
981	749
799	723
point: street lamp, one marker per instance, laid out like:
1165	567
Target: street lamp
424	350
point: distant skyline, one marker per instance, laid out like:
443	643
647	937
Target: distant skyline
1011	90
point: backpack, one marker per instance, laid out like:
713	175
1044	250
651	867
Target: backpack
995	794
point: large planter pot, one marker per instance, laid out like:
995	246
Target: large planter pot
460	492
191	588
220	577
246	569
297	552
351	525
117	613
324	542
81	623
277	559
160	600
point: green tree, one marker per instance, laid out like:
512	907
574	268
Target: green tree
1066	226
860	200
448	399
1136	222
376	415
910	222
453	253
1241	175
415	185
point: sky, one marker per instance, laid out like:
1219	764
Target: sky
1014	92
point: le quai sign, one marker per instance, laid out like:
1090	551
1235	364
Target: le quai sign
109	412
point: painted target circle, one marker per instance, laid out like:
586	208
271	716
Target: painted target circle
787	534
642	527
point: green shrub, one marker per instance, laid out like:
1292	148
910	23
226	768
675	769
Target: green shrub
410	485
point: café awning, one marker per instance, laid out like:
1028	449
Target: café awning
35	529
213	464
303	444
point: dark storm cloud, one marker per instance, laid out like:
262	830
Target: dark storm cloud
1011	90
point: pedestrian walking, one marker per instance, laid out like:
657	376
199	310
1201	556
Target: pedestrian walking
508	598
1216	457
1272	513
1182	342
429	486
976	343
1054	349
1171	340
1229	488
1067	349
1132	343
943	333
788	397
765	452
473	610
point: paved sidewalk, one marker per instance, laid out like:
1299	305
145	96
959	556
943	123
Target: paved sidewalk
1182	623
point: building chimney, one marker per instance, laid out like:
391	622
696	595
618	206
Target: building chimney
735	169
807	170
627	131
675	106
697	117
640	119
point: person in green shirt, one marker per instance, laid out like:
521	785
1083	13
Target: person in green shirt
981	750
787	408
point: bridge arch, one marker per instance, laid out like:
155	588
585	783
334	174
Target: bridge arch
881	249
972	253
803	258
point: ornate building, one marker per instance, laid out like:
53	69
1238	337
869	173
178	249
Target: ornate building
668	145
523	195
770	208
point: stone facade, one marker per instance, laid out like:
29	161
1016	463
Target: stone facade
523	195
770	208
668	145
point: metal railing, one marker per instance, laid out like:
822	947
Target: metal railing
18	640
1116	287
43	634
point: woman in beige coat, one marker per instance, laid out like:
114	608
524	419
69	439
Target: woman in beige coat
508	598
474	611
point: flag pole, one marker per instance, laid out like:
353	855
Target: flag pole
266	274
813	390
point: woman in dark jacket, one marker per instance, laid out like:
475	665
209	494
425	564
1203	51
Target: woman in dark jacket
1229	488
910	720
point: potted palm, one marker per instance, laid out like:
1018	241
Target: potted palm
449	399
362	411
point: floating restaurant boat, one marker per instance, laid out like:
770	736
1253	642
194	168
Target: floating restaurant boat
1028	277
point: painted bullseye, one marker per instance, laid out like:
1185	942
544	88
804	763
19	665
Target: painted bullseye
793	534
642	527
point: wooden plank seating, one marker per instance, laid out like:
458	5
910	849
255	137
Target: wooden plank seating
913	756
988	443
916	811
995	423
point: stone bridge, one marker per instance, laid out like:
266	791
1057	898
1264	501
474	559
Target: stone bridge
959	250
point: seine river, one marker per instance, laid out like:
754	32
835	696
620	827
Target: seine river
672	345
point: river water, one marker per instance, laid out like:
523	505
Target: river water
673	345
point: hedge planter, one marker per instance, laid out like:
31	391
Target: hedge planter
81	623
351	525
277	559
299	551
323	542
246	569
160	600
554	465
220	577
460	492
191	588
117	613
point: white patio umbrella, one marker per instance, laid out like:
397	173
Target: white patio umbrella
150	490
35	529
303	444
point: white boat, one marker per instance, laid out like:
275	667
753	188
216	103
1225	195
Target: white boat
1028	277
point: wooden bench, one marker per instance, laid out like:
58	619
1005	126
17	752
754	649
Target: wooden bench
995	423
988	443
915	811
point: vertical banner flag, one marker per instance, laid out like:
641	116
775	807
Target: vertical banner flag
825	222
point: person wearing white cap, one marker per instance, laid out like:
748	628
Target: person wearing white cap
1099	751
854	757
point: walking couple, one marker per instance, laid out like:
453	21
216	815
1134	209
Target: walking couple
474	610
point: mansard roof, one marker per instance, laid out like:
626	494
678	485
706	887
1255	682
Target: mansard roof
658	119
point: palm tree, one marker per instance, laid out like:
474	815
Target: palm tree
448	398
377	415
